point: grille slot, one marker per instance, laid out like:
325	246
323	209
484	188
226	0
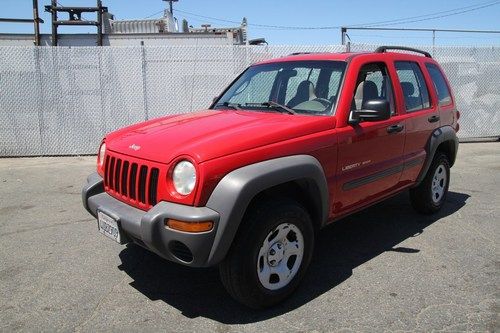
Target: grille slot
133	181
143	173
106	175
124	178
111	173
117	175
153	185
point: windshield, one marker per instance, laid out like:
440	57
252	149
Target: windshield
306	87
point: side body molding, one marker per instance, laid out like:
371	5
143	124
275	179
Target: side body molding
235	191
440	135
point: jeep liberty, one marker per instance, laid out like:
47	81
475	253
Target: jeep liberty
292	144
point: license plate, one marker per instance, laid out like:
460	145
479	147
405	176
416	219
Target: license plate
108	226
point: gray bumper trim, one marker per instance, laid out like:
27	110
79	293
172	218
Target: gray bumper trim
148	229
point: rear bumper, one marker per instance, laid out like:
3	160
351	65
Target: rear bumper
148	228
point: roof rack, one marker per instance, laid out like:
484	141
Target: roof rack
382	49
299	53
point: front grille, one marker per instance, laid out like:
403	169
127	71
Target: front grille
130	180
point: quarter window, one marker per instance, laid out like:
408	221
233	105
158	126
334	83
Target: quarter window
413	85
442	90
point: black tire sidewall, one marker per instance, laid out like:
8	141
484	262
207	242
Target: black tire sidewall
258	226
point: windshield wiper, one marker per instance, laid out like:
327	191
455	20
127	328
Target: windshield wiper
234	106
275	106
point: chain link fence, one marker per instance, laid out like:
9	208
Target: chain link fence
63	100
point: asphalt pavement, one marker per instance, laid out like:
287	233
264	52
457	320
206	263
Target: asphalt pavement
383	269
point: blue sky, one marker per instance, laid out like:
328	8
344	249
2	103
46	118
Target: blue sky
307	13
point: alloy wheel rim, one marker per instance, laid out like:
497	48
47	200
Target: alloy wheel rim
280	256
439	183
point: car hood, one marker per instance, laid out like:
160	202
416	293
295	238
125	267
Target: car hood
209	134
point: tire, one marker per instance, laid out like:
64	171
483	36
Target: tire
429	196
249	261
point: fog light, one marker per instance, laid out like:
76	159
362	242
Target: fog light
201	226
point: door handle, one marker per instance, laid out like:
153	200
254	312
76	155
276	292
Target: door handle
433	119
395	128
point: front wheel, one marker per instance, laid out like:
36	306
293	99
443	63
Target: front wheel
270	254
430	195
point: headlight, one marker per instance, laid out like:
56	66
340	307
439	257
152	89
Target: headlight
102	152
184	177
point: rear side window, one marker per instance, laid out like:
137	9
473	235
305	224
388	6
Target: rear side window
413	85
442	90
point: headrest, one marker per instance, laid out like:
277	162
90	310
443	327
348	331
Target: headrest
408	88
370	90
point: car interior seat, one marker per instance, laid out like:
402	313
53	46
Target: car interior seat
305	92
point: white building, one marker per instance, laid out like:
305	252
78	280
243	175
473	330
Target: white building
159	31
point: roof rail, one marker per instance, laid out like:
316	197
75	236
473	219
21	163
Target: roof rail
299	53
382	49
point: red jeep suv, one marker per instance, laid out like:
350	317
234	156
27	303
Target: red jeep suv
290	146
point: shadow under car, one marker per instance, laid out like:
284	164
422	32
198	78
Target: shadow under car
349	242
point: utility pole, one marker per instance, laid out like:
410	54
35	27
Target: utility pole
433	41
53	13
171	5
36	22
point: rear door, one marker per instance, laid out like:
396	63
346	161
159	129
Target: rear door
369	153
421	114
445	101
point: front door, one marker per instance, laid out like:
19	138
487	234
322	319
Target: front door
369	153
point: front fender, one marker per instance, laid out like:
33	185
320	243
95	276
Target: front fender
234	192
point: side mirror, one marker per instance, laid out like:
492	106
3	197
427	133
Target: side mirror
372	110
215	99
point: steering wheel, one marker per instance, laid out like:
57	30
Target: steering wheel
324	101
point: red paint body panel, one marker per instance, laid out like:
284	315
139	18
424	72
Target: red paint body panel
220	141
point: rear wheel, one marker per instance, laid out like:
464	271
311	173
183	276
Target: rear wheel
270	254
430	195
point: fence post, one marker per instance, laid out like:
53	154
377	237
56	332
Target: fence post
101	93
40	97
144	81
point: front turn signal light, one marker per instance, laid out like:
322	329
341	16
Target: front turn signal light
184	226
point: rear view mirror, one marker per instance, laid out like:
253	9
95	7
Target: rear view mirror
372	110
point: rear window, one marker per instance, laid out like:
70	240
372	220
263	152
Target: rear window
413	85
439	81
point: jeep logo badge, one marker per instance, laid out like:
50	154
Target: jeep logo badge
134	147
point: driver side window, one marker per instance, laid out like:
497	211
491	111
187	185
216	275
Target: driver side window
373	82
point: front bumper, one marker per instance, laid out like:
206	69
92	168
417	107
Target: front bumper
148	228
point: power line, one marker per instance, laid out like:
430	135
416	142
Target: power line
439	16
411	19
154	14
427	15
